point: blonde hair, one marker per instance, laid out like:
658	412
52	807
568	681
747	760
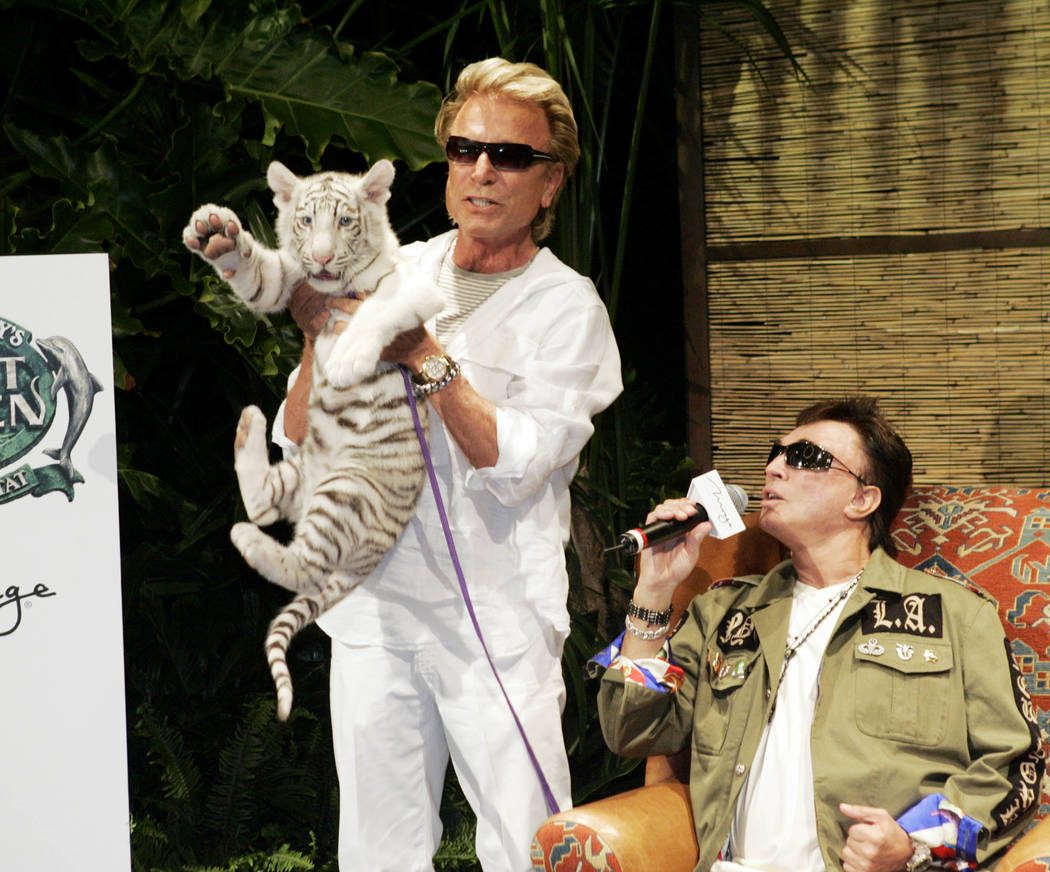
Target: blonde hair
526	83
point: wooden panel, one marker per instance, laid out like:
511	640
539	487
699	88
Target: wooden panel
880	228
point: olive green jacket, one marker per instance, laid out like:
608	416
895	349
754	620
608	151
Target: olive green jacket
918	695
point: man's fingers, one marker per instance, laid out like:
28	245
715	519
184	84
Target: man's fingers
672	510
861	812
344	304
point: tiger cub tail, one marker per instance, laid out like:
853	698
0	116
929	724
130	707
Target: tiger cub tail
302	611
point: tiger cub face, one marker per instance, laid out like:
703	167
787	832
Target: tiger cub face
335	225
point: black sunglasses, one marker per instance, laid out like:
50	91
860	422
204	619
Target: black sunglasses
502	155
808	455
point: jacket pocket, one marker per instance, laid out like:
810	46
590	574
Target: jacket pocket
725	676
902	688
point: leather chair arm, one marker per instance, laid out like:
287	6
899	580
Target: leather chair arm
628	832
1032	847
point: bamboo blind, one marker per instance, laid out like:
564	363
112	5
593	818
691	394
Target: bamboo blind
919	120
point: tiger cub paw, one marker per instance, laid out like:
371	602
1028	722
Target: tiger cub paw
354	357
255	546
246	539
252	465
250	440
215	234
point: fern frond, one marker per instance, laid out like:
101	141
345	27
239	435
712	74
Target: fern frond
167	750
282	859
231	805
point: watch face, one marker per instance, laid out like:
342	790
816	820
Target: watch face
434	368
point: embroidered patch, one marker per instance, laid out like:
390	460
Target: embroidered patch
1026	771
872	648
918	614
714	661
737	632
737	668
728	671
728	582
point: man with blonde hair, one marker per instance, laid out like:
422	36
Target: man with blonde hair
526	83
515	366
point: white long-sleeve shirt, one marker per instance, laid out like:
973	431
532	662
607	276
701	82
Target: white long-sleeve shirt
542	350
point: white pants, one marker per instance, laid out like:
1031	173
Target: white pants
398	716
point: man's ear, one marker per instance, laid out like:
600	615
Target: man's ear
866	499
555	176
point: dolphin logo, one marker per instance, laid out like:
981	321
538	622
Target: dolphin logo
71	374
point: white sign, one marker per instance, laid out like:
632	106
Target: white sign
64	800
709	491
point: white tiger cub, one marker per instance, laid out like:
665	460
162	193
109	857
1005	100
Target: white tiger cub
332	228
353	485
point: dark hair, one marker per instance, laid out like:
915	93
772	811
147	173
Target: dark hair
888	463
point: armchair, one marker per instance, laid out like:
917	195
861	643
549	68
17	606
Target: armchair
997	538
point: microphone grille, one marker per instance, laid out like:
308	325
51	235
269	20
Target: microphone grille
738	497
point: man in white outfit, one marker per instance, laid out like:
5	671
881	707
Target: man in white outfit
515	366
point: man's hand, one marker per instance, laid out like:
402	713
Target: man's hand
876	843
410	348
663	566
311	309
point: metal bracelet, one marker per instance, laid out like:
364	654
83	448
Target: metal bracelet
648	615
648	635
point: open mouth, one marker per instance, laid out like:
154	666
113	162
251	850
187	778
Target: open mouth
325	276
481	201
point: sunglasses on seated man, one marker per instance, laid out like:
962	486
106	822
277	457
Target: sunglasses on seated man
502	155
808	455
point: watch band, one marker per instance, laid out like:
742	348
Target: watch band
426	388
648	615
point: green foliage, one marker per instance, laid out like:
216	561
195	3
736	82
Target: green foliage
283	859
147	115
119	118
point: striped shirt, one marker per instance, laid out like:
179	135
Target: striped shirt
463	291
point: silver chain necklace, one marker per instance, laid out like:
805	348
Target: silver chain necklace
790	649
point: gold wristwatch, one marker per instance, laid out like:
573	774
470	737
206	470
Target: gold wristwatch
436	372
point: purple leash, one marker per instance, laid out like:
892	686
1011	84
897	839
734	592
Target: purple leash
548	795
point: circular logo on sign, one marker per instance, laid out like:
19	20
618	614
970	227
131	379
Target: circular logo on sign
26	404
32	373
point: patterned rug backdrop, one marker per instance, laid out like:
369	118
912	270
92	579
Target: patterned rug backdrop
997	539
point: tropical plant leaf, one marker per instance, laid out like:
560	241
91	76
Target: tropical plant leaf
282	859
158	106
229	809
106	195
312	93
305	81
158	500
168	752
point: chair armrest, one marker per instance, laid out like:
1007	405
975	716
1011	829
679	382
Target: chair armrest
1032	846
637	831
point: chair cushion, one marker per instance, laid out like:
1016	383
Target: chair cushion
996	539
565	846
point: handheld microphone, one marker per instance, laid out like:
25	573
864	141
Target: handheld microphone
639	538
